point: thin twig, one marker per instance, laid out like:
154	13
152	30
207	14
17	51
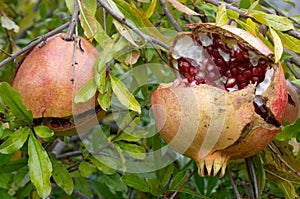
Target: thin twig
252	177
73	23
235	189
282	160
68	154
290	66
244	14
170	16
33	43
123	20
182	185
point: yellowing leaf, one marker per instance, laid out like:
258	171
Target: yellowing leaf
124	96
289	42
151	9
278	48
9	24
252	25
182	8
88	21
221	18
276	22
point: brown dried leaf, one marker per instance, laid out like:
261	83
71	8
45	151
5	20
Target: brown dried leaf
182	8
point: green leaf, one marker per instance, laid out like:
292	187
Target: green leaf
86	169
70	5
122	158
133	150
43	132
136	182
15	141
289	42
155	186
1	130
165	174
104	99
87	20
194	193
40	167
8	24
276	22
5	180
101	37
221	18
124	96
278	48
62	178
86	92
13	100
102	167
5	195
233	14
178	179
91	5
289	131
22	177
114	182
151	9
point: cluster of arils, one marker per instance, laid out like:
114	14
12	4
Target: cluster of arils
237	65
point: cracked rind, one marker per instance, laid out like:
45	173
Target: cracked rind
240	142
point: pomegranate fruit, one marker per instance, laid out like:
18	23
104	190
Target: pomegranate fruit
44	83
228	101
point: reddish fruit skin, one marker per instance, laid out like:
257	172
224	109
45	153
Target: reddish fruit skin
44	79
292	109
212	125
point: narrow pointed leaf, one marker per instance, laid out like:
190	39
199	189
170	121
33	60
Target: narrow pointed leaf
86	92
182	8
151	9
124	96
221	18
88	21
13	100
136	182
289	42
40	167
15	141
278	48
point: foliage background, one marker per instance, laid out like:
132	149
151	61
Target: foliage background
74	172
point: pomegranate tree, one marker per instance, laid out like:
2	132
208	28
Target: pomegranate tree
228	101
44	83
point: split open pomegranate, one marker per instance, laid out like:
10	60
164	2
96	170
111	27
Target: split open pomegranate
44	83
228	101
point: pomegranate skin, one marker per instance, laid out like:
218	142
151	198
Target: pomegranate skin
292	109
211	125
44	80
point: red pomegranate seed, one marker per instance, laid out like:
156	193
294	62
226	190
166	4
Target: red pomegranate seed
239	56
247	74
193	71
197	39
230	82
254	79
256	71
221	62
241	79
242	47
262	61
55	124
232	64
215	36
217	42
232	53
222	70
216	53
242	85
228	73
245	54
209	50
241	69
234	72
199	80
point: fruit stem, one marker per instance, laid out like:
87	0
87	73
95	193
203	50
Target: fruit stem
73	23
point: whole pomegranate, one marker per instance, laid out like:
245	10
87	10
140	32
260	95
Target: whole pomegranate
44	83
229	100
